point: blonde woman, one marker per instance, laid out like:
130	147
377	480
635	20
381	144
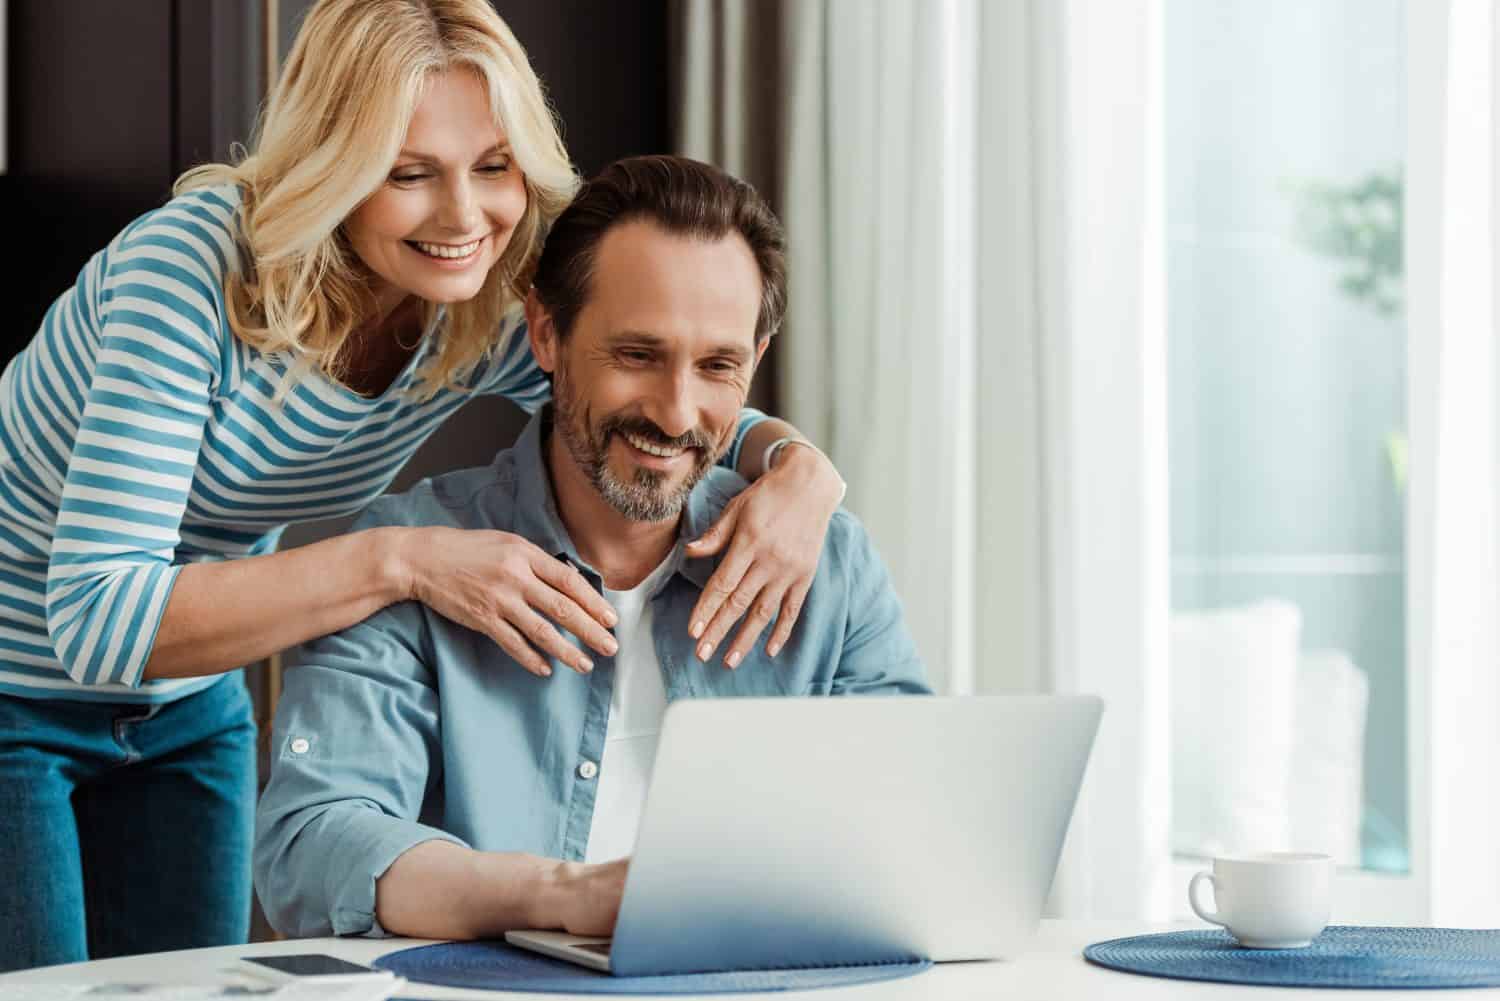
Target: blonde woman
270	347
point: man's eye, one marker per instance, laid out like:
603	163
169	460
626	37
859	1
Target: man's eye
636	356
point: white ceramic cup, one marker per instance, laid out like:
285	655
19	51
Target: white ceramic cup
1275	900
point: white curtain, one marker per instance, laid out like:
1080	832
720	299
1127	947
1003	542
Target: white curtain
1072	457
1453	255
873	362
971	194
876	365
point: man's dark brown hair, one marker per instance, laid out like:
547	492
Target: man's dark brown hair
682	196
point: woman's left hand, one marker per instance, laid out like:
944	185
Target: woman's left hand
774	530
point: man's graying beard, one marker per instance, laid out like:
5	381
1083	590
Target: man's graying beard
646	496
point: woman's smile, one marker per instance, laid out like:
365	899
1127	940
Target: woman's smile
449	255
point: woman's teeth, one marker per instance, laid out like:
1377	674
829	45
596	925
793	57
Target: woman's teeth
445	250
650	449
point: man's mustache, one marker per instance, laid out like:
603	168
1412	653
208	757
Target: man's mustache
640	427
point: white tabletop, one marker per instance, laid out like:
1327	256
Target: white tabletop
1054	968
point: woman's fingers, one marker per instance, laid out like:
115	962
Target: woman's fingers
566	578
791	610
716	593
773	532
762	611
739	602
513	643
511	590
541	635
562	610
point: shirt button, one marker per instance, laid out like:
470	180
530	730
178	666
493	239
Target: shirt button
588	770
300	745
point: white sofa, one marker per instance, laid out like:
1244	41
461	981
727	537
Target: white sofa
1267	739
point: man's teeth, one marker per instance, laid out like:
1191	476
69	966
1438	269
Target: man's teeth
649	448
446	250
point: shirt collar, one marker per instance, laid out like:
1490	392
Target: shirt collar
536	516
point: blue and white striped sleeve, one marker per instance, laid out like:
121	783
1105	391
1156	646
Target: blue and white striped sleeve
518	378
133	461
749	417
513	372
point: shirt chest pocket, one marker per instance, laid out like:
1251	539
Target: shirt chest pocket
757	676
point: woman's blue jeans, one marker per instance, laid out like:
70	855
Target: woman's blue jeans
125	828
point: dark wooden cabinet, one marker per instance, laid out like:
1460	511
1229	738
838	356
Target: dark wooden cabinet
108	102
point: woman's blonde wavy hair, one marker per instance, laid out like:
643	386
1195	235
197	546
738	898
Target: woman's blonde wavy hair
326	140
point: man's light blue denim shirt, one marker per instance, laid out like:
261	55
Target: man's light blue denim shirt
408	727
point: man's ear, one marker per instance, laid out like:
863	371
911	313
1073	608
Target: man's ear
542	332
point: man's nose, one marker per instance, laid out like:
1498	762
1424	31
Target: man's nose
672	407
460	211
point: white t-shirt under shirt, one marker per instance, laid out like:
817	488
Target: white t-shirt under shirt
635	712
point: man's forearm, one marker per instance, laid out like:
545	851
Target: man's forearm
438	889
442	890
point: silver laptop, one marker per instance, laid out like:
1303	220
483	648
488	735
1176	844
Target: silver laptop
802	832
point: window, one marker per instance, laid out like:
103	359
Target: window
1284	138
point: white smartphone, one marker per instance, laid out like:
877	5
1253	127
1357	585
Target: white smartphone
309	967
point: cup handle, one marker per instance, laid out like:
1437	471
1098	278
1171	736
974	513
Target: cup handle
1212	917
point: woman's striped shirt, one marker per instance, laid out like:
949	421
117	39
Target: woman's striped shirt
137	434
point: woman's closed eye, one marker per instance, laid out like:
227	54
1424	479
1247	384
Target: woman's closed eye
492	168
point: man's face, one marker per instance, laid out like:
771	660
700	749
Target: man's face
648	386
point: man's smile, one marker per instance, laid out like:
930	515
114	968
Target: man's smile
665	451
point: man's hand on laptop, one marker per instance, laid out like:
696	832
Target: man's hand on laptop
582	899
438	889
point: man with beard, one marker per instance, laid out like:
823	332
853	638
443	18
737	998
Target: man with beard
415	790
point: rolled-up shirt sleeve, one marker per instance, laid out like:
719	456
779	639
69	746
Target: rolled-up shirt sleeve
355	752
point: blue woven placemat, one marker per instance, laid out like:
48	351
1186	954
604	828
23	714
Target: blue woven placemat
495	966
1342	956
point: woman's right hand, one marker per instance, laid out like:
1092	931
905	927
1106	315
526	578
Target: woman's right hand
509	589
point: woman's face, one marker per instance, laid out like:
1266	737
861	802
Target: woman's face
448	208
